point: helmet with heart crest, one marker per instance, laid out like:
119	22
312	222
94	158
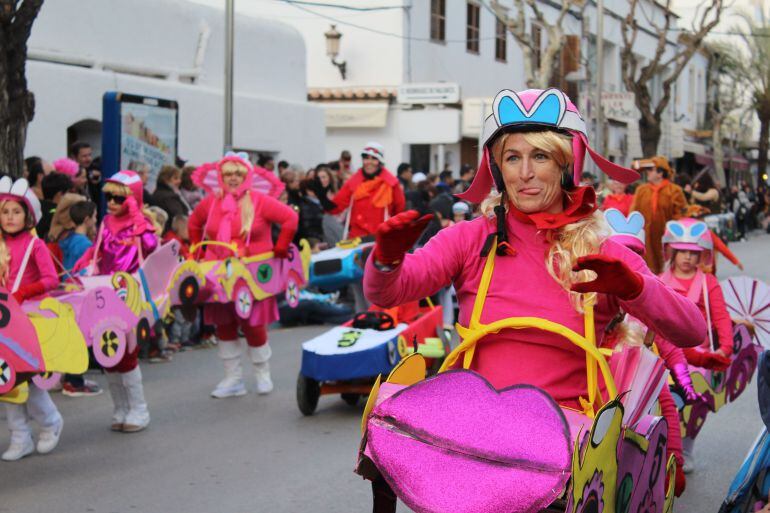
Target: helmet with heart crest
537	109
626	230
530	111
688	234
20	191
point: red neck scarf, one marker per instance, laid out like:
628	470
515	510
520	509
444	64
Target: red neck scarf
655	192
580	203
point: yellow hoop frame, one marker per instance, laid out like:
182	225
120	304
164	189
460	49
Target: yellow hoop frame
476	330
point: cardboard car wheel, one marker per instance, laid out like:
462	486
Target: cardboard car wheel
110	345
351	399
46	380
243	300
188	290
308	393
7	375
292	290
143	332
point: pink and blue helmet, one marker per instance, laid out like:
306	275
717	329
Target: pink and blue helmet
688	234
537	109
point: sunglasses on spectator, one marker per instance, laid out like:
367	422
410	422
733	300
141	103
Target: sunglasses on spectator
118	199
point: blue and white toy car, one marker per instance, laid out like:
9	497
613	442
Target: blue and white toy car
341	265
347	359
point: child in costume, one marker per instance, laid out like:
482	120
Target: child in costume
26	271
126	236
235	213
687	246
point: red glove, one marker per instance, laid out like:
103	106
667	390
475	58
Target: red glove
28	291
397	235
706	359
281	248
680	482
613	277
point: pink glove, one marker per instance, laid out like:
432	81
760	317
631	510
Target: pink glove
613	277
397	235
140	222
682	376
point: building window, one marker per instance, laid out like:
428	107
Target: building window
537	45
438	20
500	41
472	30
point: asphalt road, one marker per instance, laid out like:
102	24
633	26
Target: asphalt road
259	454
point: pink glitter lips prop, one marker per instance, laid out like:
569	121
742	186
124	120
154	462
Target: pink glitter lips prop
454	443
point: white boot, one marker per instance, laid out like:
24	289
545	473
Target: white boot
42	410
232	385
21	434
49	437
260	357
119	400
138	416
19	448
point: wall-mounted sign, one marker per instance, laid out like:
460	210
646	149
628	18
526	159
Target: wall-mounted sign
619	106
438	92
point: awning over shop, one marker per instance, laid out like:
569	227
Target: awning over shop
355	115
736	162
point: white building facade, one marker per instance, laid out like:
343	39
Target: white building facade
461	44
171	49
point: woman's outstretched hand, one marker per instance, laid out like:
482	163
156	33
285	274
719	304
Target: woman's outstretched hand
613	277
397	235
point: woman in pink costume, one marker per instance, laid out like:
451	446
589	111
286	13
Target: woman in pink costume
242	216
26	271
687	247
126	236
547	235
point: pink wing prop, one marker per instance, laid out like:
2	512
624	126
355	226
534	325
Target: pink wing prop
264	181
454	443
749	299
19	345
642	374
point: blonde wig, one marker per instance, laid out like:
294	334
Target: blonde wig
570	242
245	204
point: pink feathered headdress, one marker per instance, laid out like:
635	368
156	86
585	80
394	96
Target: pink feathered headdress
532	109
67	167
209	177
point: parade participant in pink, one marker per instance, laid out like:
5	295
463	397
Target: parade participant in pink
125	238
27	271
546	235
688	245
234	213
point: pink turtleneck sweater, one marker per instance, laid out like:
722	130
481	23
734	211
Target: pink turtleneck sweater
521	286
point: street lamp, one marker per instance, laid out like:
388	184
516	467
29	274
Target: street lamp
333	37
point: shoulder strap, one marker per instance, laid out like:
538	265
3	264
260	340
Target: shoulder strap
23	268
